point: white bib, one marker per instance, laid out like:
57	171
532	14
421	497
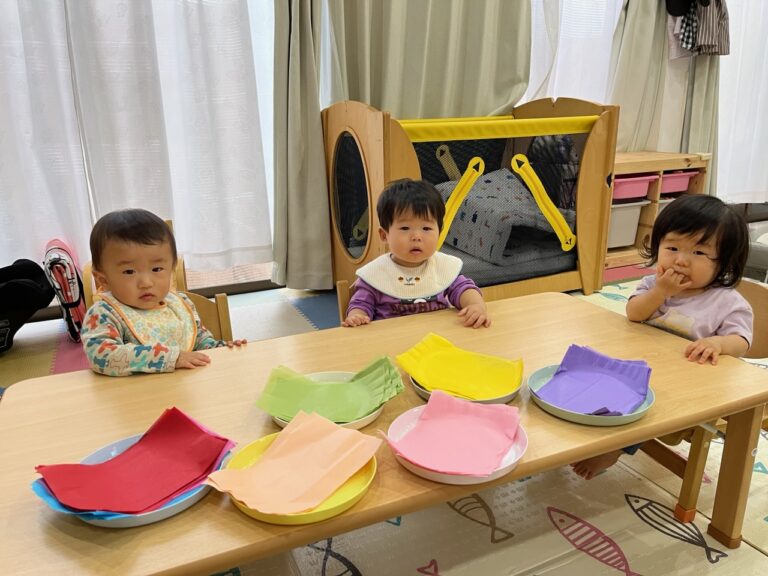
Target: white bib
429	279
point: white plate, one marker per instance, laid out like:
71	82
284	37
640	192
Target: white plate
179	504
407	420
543	375
424	393
322	377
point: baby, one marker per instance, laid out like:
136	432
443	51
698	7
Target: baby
700	246
413	277
137	324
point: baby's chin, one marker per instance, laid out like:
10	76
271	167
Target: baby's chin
148	304
411	261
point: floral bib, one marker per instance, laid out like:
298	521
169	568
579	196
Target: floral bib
172	324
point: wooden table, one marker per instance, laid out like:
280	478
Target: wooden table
64	417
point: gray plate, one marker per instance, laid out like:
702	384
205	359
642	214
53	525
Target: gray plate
544	375
321	377
424	393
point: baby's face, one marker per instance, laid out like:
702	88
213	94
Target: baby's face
138	275
688	255
411	239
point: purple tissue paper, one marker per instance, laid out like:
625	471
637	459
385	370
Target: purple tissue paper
589	382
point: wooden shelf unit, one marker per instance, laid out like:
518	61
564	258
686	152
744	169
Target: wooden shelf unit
658	164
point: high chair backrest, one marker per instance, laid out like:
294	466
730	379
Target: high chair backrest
343	294
756	293
213	315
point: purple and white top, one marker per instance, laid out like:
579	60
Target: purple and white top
714	312
385	289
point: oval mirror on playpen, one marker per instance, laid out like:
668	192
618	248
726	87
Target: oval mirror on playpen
350	195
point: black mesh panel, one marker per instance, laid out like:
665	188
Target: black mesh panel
351	194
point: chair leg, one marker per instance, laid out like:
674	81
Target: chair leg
685	510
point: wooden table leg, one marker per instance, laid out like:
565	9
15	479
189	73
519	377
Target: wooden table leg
735	475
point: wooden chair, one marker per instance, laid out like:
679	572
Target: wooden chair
214	315
343	294
692	470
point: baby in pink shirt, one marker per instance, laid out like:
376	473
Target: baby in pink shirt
699	245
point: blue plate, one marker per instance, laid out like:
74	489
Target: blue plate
115	519
544	375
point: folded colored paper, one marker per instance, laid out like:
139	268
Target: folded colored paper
288	392
40	488
455	436
588	382
436	364
173	456
303	466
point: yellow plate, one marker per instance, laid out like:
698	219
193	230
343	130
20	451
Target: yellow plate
346	496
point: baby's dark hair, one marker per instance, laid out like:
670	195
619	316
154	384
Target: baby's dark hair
694	214
133	225
416	196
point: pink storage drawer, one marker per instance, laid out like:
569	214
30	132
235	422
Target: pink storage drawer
632	186
676	181
629	272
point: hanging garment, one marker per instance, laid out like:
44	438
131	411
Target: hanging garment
674	28
689	29
713	36
60	265
678	7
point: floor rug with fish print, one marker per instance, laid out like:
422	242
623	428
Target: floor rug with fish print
554	523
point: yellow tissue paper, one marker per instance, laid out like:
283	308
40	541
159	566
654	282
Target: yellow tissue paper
436	364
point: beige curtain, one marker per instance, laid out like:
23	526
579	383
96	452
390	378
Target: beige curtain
704	105
639	80
302	243
430	58
654	92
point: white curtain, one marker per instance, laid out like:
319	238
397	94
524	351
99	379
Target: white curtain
166	103
169	114
571	48
743	136
43	192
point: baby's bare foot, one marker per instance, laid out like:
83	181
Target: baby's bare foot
591	467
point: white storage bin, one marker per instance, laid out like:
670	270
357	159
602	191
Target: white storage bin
663	202
624	220
758	249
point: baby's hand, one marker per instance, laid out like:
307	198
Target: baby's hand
238	343
192	359
670	282
475	315
704	349
356	318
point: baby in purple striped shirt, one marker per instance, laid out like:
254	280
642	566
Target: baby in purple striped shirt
413	276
